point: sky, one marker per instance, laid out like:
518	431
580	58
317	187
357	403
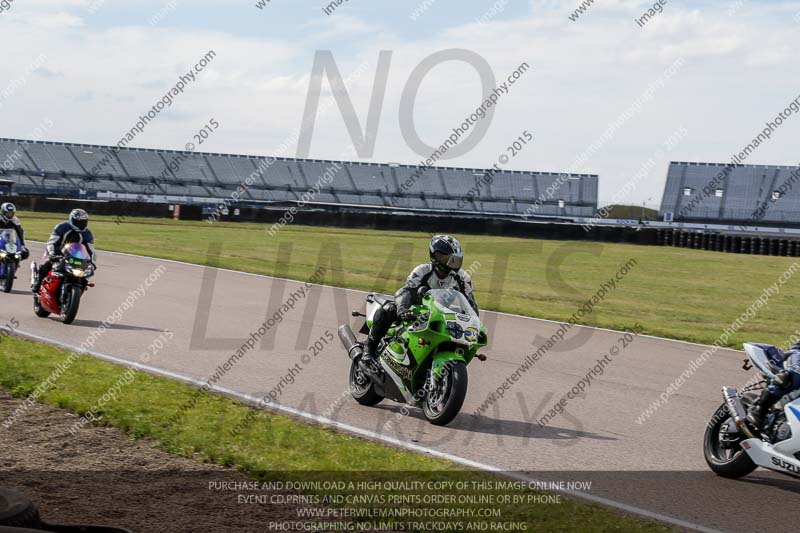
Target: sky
602	94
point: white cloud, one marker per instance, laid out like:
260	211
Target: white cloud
341	26
584	75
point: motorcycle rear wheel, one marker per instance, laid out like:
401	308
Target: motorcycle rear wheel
729	463
37	307
69	307
8	281
361	387
442	405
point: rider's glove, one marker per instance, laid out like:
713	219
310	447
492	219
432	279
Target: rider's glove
783	378
406	315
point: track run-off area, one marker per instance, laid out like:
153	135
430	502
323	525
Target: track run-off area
593	408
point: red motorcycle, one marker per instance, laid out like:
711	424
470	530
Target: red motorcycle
62	288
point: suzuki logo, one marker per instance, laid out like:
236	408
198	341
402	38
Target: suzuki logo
780	463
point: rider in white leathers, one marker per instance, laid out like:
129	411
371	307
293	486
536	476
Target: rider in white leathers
443	272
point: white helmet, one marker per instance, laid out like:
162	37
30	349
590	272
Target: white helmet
7	212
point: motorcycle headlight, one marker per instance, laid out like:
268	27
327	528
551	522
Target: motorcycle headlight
78	273
3	254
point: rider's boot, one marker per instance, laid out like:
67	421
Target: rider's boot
41	273
369	361
384	316
755	415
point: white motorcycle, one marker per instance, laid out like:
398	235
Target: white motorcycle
732	447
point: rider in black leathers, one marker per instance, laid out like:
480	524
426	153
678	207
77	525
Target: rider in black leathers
74	230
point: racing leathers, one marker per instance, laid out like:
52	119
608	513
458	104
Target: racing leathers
783	383
63	234
422	276
15	225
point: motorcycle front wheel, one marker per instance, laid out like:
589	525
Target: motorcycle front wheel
731	462
8	280
69	307
443	400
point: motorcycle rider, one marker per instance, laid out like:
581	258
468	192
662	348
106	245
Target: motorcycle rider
74	230
784	382
9	220
442	272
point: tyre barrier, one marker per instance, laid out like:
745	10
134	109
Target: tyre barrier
718	242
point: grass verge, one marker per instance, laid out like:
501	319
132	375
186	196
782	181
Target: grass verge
271	443
676	293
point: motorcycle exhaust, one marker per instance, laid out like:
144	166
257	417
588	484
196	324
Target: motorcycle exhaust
737	411
349	341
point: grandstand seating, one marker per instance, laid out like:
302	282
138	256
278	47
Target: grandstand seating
63	169
748	194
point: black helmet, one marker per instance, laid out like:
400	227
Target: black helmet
7	211
446	254
78	219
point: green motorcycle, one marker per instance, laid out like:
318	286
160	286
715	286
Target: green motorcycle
423	362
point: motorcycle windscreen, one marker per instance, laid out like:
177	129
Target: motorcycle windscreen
452	300
8	240
759	357
76	254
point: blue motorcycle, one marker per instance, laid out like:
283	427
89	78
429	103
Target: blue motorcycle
10	256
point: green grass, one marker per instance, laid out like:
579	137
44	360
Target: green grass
672	292
271	443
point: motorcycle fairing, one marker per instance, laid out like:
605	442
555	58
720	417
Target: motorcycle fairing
440	360
9	241
374	301
457	334
760	356
438	330
9	244
50	293
394	388
779	456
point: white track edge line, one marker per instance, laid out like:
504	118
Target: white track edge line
252	400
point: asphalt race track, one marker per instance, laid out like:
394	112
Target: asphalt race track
656	466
